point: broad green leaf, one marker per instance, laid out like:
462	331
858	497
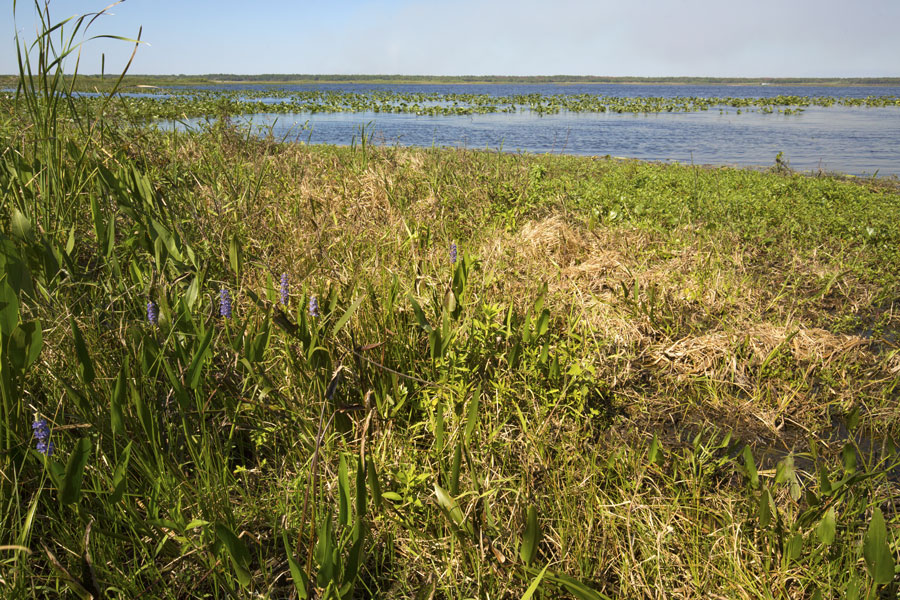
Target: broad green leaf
473	414
848	454
531	537
877	552
826	528
361	499
355	556
99	221
119	475
542	324
750	465
237	552
192	293
794	546
374	484
534	584
576	588
199	360
116	401
20	225
420	316
325	553
454	469
655	453
70	492
86	365
9	307
344	492
766	508
347	314
301	581
236	256
25	344
451	508
450	301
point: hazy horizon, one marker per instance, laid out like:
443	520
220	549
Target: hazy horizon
654	38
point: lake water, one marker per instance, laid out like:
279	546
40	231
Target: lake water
855	140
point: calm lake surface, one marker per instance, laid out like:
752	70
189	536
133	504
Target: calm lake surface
855	140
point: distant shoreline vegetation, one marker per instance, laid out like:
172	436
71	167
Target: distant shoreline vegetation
226	78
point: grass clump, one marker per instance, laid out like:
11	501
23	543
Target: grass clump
278	370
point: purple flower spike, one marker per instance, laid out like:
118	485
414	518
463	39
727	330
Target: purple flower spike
225	304
313	307
152	313
453	253
41	431
285	289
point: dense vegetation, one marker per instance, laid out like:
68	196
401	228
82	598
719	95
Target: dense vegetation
232	367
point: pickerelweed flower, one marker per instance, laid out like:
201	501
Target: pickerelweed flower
41	431
225	304
285	289
152	312
453	253
313	307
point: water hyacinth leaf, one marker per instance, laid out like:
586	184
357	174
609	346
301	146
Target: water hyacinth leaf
347	314
451	508
199	360
826	528
116	401
877	551
531	537
237	552
344	492
750	465
86	365
301	581
9	307
534	584
70	491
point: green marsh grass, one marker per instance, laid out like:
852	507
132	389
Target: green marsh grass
635	380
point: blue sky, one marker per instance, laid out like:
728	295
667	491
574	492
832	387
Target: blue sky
776	38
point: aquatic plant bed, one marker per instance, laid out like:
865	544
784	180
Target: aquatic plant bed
238	368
